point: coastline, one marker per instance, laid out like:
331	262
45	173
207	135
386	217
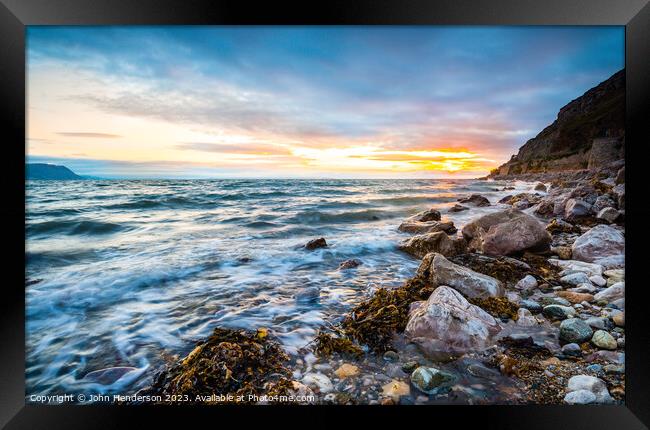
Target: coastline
533	346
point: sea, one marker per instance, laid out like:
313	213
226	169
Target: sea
131	273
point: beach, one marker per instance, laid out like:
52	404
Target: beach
124	277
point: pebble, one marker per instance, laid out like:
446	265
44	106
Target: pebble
394	389
597	322
621	342
527	283
410	366
558	311
572	349
576	278
596	368
531	305
319	380
346	370
604	340
575	330
614	369
619	319
431	380
598	280
391	356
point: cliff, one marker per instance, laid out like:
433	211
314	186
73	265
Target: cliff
49	171
588	133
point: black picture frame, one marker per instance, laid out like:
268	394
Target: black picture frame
16	14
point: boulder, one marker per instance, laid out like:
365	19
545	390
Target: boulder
506	232
545	208
447	325
576	209
439	242
316	243
615	292
592	384
425	216
574	330
569	266
528	283
476	200
620	176
540	187
558	225
602	202
458	208
419	227
472	284
350	264
602	241
608	214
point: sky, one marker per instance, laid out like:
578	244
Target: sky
303	102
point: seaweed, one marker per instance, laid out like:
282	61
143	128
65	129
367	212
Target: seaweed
231	363
375	321
326	344
498	307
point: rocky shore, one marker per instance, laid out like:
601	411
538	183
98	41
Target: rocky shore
524	304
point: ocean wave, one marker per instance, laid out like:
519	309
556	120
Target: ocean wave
75	227
368	215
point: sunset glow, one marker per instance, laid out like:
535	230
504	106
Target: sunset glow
301	102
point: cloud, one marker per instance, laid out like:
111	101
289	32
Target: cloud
244	148
88	134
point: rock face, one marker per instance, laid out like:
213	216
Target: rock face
600	242
419	227
506	232
476	200
448	325
472	284
439	242
588	131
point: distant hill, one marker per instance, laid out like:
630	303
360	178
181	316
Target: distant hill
49	171
589	132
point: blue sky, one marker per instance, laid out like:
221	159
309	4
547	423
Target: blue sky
303	101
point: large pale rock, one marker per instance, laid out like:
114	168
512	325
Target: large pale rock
570	266
615	292
439	242
472	284
576	208
447	325
419	227
592	384
506	232
601	242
